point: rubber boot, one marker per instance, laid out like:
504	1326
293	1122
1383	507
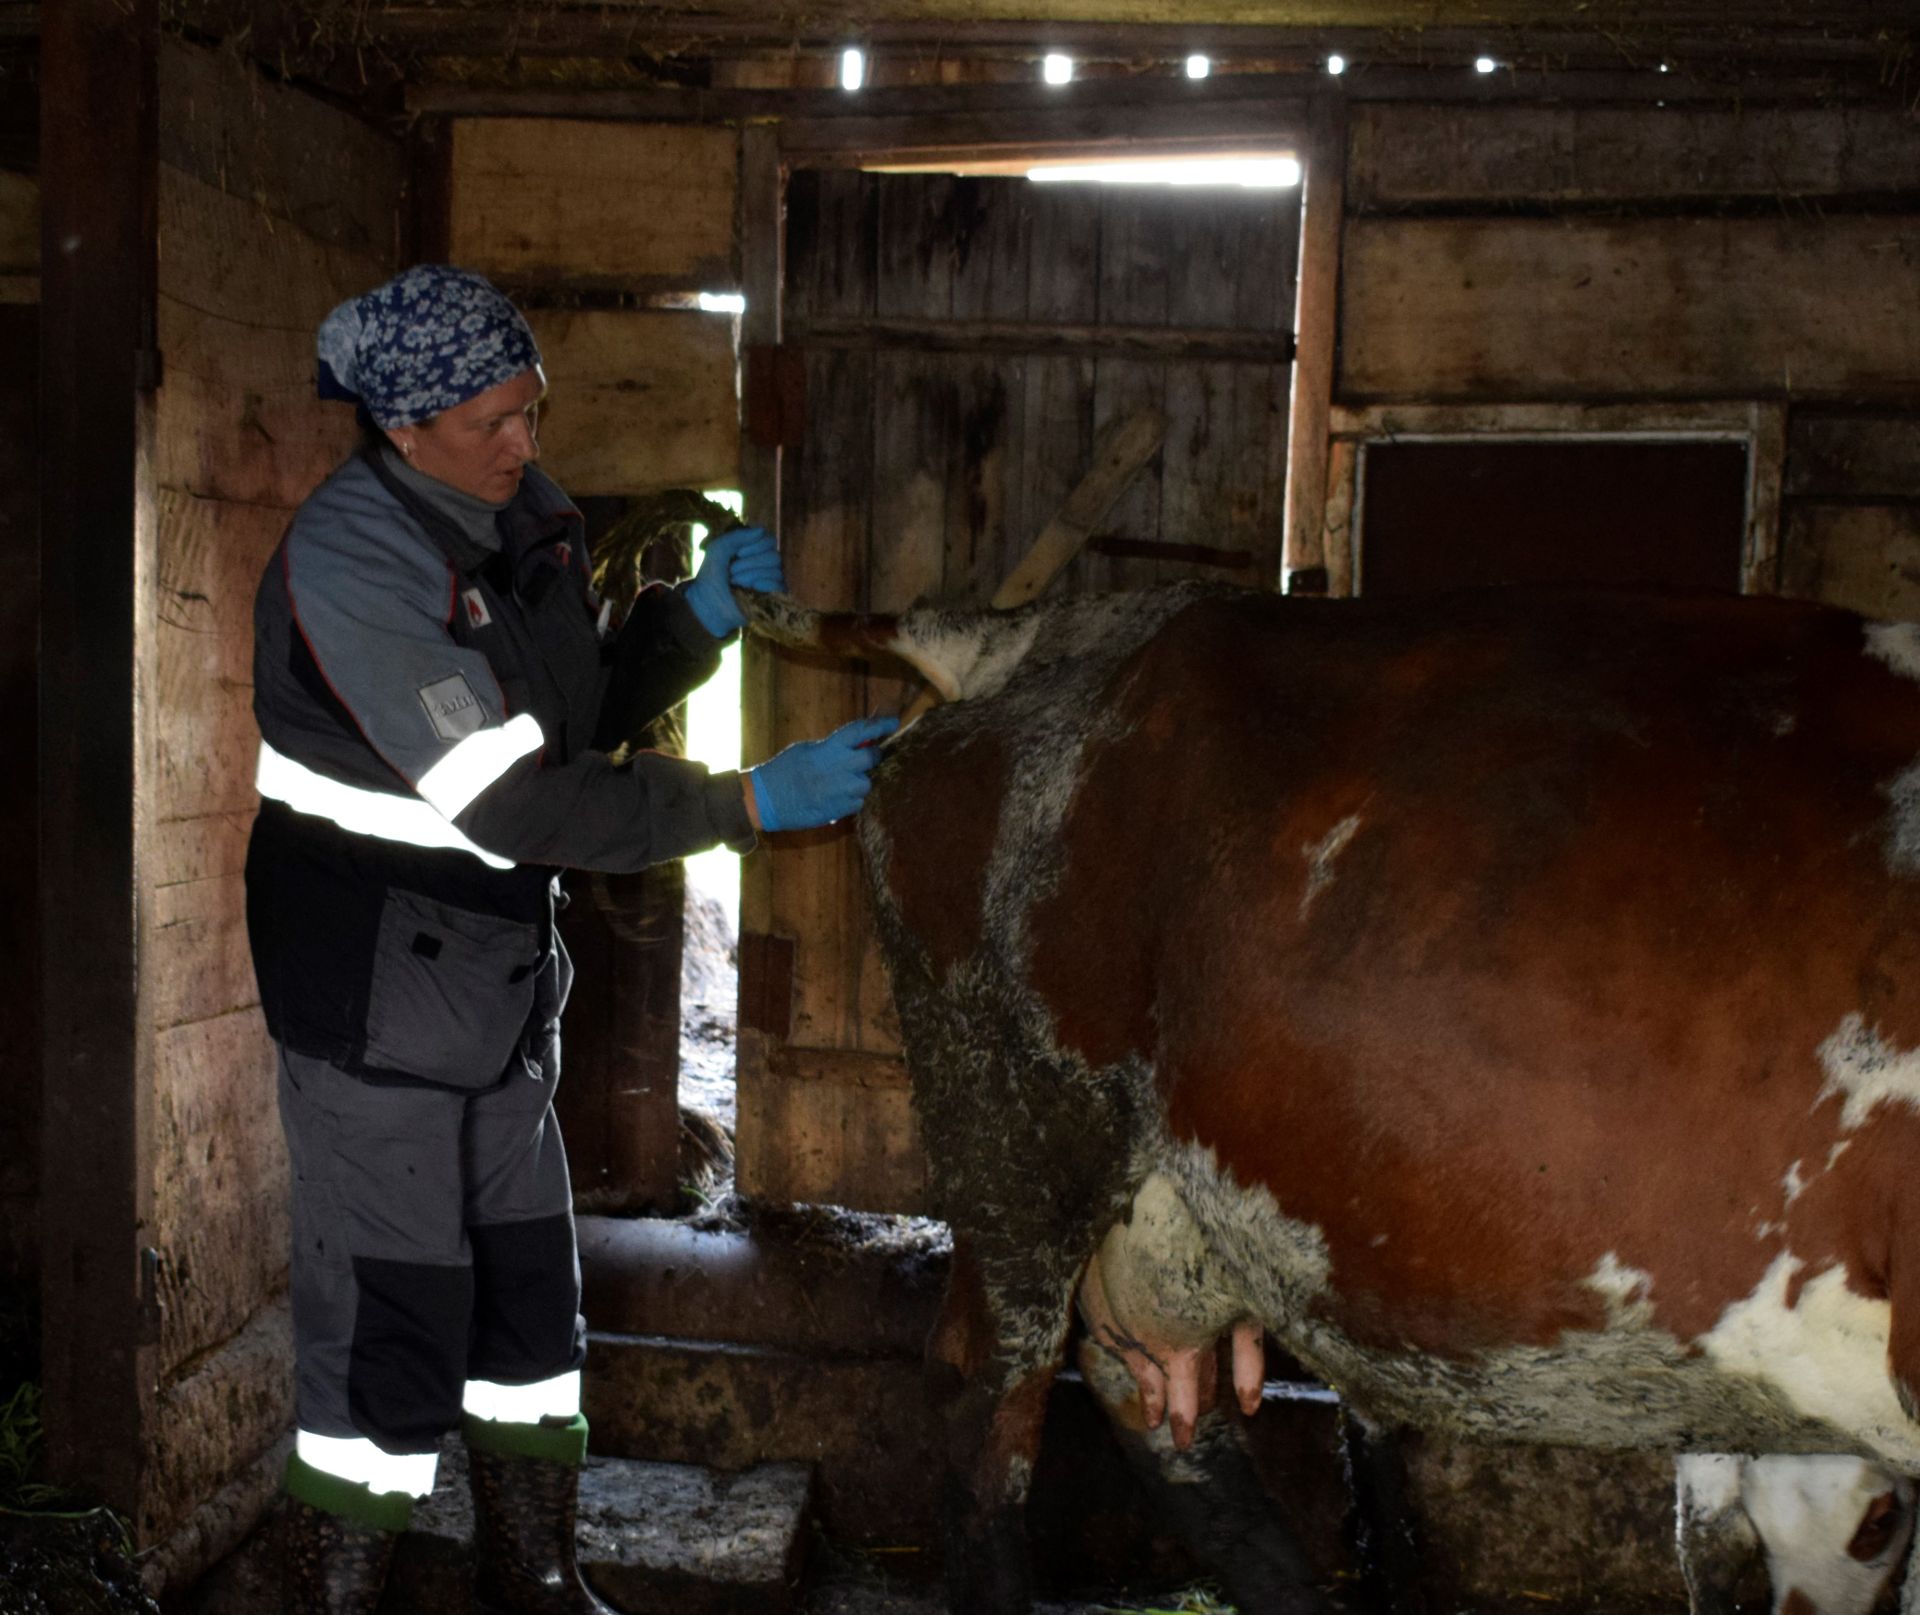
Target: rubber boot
332	1565
526	1490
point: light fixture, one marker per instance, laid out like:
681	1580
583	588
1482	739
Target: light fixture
1056	69
1336	65
853	69
1484	64
1198	67
722	303
1666	67
1249	173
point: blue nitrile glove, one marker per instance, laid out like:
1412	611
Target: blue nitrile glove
814	782
746	558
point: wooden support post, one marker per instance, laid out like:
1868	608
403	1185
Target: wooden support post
99	171
763	277
1316	332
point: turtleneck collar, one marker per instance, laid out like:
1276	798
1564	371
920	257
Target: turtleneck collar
474	516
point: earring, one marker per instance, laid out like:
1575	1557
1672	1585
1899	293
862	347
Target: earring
407	450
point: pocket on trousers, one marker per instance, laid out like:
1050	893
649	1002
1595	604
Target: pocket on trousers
451	991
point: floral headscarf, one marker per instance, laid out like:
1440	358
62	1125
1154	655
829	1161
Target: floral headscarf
430	338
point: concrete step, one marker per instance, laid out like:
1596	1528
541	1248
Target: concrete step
652	1536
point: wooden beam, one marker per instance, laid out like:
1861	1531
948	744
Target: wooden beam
623	31
669	104
538	200
1021	338
1173	108
1406	158
1588	308
1316	329
100	181
762	275
942	18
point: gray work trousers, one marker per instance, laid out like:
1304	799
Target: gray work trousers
432	1244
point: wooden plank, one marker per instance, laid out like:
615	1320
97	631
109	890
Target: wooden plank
1063	286
1122	451
224	256
1023	338
1316	323
99	173
1339	549
618	31
1138	267
19	795
819	896
1854	456
238	419
1596	308
302	160
633	203
1642	418
220	1213
846	1127
1863	557
763	274
213	1422
201	698
619	1106
639	401
673	107
830	227
1766	471
1421	156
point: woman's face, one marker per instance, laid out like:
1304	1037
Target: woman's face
481	446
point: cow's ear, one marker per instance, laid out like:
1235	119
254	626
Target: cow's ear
1876	1529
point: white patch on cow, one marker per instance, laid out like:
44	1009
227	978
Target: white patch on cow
1767	1230
1868	1070
1838	1150
1793	1183
1898	645
1377	1241
1826	1354
1627	1291
1320	856
1806	1511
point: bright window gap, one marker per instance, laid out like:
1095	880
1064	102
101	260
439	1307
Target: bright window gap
713	738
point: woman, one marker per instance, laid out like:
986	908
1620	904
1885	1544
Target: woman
437	689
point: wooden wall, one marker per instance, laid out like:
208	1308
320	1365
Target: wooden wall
1615	255
586	224
19	562
273	207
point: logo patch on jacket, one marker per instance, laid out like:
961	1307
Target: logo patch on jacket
452	707
477	614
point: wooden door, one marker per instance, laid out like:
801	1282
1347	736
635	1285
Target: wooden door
963	342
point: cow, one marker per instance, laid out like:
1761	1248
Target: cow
1509	1003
